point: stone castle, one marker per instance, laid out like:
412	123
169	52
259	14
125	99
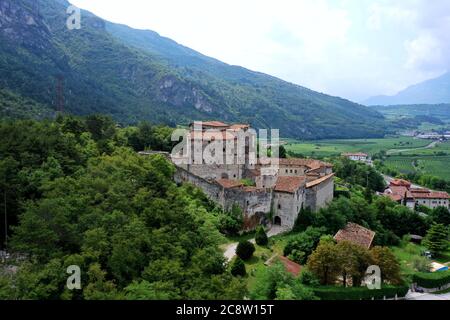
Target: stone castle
267	194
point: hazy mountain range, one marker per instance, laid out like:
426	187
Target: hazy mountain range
435	91
138	75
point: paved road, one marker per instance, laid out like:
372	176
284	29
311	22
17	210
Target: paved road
427	296
397	151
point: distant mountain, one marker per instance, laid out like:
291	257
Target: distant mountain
138	75
435	91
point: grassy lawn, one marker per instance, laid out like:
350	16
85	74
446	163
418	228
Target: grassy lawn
327	148
244	237
406	254
261	255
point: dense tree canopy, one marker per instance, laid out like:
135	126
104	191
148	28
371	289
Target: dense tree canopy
84	198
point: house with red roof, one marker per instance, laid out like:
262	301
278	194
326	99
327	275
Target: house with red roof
401	191
356	234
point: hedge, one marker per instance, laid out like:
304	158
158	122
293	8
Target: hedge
359	293
432	280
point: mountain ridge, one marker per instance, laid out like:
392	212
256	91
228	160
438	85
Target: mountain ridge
433	91
136	75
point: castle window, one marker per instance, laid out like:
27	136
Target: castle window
279	206
287	171
291	171
296	171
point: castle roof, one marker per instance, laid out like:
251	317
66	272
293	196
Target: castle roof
229	184
319	181
239	126
310	163
289	184
356	234
217	124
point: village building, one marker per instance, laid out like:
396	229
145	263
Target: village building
356	234
277	191
356	156
401	191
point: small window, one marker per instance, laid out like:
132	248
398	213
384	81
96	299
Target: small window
279	206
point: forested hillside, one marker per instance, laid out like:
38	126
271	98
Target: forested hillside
134	75
77	194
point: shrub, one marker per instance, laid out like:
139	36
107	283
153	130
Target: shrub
421	264
231	222
359	293
245	250
303	244
238	268
308	278
261	237
432	280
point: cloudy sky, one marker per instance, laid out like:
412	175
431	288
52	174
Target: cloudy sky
349	48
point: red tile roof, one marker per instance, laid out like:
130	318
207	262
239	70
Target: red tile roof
400	183
356	234
291	267
319	181
429	194
230	184
289	184
218	124
395	197
239	126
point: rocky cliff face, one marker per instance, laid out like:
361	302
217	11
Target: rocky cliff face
23	26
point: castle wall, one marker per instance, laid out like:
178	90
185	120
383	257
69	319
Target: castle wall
212	190
290	171
255	205
287	206
214	172
320	196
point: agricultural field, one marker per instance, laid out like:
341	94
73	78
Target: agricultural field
329	148
436	149
438	166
